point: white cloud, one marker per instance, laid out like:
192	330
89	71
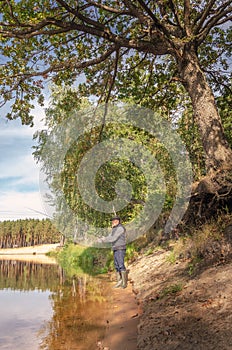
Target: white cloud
16	205
19	173
21	166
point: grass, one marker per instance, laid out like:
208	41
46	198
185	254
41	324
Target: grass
170	290
194	247
78	259
172	257
149	251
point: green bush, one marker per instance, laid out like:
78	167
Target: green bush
77	259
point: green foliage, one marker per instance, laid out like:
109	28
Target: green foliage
77	259
131	56
134	57
193	265
224	104
131	252
190	135
96	261
149	251
68	258
64	103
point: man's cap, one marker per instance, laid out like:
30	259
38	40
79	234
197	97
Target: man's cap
115	218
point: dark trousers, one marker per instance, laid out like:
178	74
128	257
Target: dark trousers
119	256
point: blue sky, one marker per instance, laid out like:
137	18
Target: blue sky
19	173
20	195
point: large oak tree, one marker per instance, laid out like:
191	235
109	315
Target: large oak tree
58	40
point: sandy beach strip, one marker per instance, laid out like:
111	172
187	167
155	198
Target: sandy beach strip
35	254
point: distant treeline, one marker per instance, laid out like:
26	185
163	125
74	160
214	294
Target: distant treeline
27	232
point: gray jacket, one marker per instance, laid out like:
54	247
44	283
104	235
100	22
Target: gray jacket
117	237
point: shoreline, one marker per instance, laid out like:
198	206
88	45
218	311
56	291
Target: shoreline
36	254
37	249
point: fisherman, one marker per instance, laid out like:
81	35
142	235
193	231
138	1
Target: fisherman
117	238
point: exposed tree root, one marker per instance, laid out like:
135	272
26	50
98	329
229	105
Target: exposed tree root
210	197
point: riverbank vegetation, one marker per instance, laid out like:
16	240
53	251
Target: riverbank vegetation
76	259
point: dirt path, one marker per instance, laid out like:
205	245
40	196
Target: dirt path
122	320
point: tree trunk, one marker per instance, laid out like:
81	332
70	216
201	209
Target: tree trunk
217	151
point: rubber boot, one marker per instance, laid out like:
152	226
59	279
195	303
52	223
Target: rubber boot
124	279
119	280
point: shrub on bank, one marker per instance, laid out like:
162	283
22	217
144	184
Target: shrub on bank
90	260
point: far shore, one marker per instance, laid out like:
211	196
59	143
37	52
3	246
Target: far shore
34	254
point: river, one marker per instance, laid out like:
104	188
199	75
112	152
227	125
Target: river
43	309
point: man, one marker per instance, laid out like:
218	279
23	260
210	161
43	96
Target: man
118	240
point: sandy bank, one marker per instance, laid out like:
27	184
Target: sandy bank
181	311
35	254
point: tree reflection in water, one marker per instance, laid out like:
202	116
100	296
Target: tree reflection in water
78	303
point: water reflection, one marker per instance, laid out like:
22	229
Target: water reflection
27	275
43	309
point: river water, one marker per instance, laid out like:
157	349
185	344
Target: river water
42	309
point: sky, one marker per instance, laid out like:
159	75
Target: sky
19	173
20	195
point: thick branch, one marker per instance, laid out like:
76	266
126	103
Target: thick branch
31	30
187	17
134	11
158	47
225	20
